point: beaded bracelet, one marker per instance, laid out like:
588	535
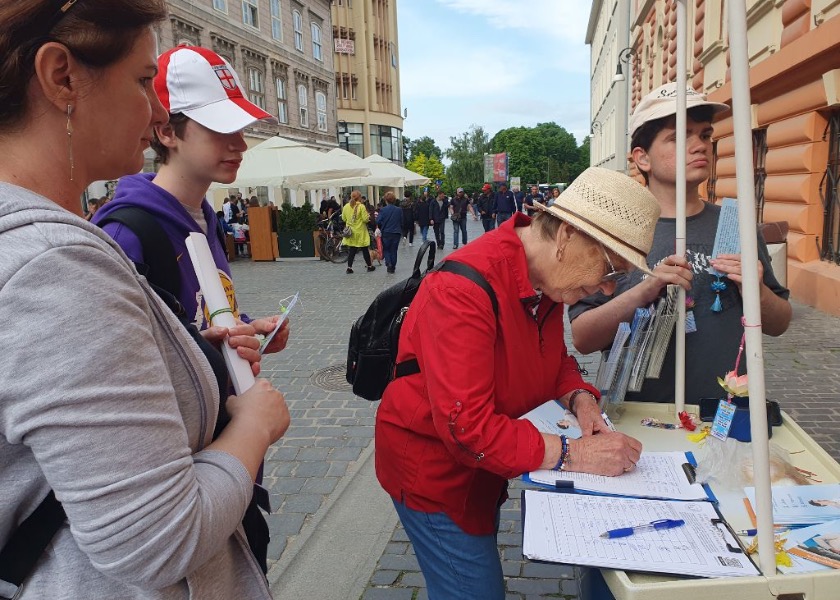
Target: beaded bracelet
564	453
574	395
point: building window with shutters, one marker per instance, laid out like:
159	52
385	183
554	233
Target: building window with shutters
297	23
316	42
321	107
276	21
282	101
256	91
303	103
220	5
830	194
759	157
250	13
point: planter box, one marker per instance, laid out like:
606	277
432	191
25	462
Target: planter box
296	244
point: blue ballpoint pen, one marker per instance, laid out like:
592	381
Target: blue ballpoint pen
627	531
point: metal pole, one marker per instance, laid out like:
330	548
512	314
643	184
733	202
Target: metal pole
679	362
750	288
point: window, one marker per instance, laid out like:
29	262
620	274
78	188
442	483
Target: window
303	101
276	22
355	140
321	107
387	142
759	156
282	101
220	5
256	92
829	188
316	42
297	22
250	10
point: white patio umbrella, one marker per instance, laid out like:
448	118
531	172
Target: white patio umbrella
382	167
383	172
365	180
279	162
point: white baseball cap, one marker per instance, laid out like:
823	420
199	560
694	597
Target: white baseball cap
662	102
202	85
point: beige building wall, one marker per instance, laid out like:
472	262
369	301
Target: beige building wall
794	52
367	77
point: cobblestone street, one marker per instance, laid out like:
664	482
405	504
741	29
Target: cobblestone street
332	430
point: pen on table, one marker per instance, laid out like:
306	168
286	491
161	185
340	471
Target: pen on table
754	532
627	531
607	421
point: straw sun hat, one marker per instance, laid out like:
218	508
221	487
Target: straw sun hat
611	208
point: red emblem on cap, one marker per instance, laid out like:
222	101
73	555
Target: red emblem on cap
226	77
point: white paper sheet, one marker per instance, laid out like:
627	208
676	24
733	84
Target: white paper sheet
552	417
657	475
214	296
566	528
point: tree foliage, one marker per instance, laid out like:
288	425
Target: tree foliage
545	153
424	145
466	155
430	166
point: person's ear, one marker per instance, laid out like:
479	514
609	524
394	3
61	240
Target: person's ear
166	135
564	235
58	74
641	159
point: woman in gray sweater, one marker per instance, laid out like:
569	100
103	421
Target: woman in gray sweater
115	417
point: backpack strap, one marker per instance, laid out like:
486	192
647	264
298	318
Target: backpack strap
411	366
28	542
156	245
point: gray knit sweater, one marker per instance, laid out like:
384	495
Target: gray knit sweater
105	399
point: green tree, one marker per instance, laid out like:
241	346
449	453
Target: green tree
545	153
583	158
430	167
466	155
424	145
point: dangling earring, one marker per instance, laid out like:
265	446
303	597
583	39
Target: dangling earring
559	254
70	139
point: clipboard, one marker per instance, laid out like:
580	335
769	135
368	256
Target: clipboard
564	528
578	483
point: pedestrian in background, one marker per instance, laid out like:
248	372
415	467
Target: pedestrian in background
93	206
459	206
407	218
529	200
505	204
145	503
555	194
355	216
486	204
438	214
389	221
518	198
421	215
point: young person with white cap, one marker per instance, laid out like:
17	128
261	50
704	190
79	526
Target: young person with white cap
201	143
713	328
446	446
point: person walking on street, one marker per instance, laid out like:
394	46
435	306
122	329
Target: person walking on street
421	215
408	218
529	200
505	204
390	226
486	204
459	207
356	217
439	213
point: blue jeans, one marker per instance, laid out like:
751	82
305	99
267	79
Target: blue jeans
459	226
501	217
424	231
390	246
489	224
456	565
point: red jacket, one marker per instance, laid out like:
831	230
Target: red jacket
448	438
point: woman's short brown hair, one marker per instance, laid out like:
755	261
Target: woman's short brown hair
97	32
178	121
546	225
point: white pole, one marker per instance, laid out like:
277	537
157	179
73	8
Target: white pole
750	287
679	362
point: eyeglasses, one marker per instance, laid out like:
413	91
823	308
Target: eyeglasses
612	273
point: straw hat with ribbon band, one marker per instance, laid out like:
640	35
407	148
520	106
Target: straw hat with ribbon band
612	209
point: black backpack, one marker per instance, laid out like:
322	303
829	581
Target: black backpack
374	337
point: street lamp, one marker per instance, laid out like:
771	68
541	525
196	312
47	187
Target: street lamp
344	132
596	126
623	57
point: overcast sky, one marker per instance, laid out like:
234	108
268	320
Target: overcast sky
494	63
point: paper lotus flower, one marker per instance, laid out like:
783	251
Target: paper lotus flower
734	384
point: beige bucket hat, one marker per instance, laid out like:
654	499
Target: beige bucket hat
611	208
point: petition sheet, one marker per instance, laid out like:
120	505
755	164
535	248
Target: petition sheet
567	528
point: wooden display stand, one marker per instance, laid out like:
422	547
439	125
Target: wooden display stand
262	223
809	455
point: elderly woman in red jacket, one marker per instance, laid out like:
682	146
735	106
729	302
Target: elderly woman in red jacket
449	437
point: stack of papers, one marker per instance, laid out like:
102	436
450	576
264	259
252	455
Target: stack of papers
815	548
567	528
801	505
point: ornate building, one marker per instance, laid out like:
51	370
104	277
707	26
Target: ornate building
794	53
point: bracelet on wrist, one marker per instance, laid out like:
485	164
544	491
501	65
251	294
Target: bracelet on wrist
574	395
565	459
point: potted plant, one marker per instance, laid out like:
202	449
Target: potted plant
295	225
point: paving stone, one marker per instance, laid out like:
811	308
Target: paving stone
384	577
413	579
320	486
301	503
285	523
388	594
312	469
399	562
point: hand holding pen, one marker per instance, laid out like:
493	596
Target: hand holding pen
652	526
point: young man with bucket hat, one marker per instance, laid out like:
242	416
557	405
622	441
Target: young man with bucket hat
714	304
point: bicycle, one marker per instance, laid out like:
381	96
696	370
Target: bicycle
330	242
